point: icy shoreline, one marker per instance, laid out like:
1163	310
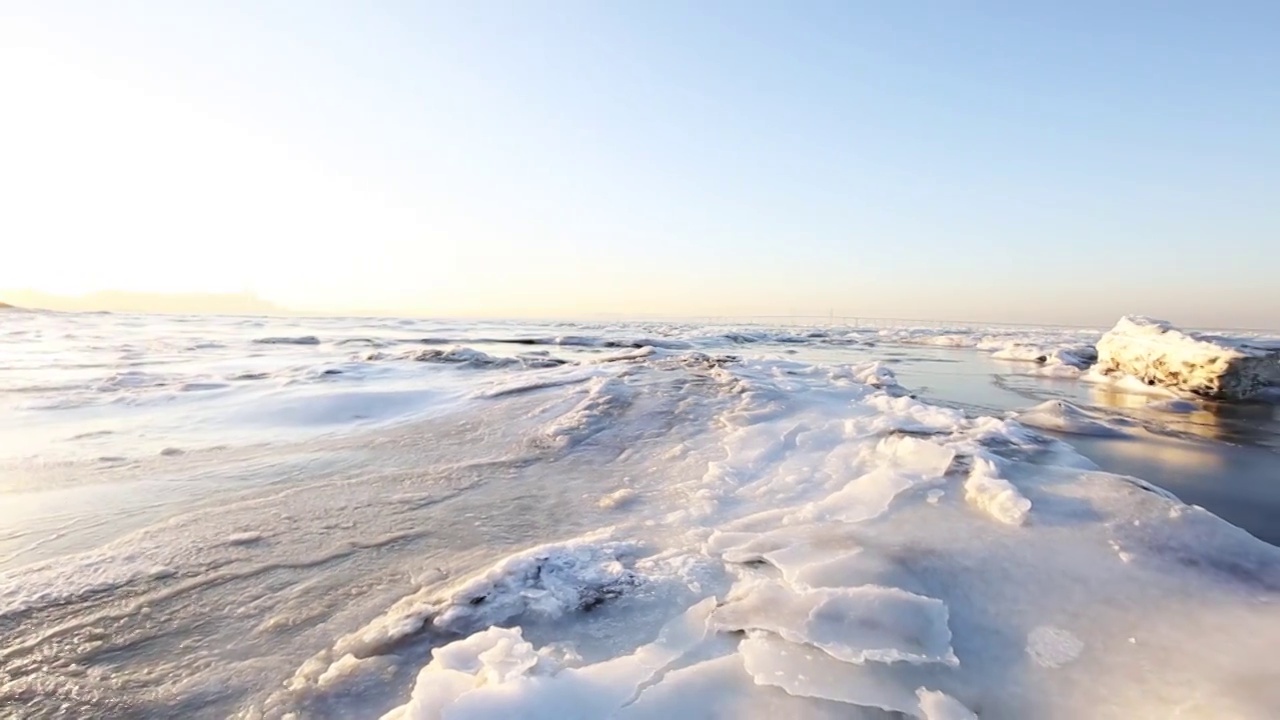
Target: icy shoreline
816	540
856	548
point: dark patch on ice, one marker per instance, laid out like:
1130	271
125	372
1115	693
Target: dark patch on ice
202	386
917	433
475	358
1258	575
589	597
92	434
436	341
300	340
567	341
698	360
540	360
250	376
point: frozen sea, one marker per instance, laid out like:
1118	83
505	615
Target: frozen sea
358	518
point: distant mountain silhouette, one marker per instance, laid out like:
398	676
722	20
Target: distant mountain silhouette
124	301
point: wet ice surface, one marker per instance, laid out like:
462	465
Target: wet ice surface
352	518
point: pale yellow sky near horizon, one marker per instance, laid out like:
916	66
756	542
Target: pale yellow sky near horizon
156	195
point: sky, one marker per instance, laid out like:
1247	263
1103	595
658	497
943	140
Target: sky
1000	161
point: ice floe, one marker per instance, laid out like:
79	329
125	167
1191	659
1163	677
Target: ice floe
853	580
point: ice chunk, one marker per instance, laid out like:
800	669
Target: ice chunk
875	374
496	673
863	498
1062	416
349	670
903	462
1073	357
1065	372
804	671
617	499
920	457
545	582
937	705
853	624
490	657
1158	354
911	415
987	491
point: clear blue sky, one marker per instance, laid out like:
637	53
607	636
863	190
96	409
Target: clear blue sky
1063	162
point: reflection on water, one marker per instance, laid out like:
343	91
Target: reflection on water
1240	483
1224	457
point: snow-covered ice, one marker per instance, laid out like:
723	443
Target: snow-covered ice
604	521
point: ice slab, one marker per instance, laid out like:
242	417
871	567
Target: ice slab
852	624
807	672
496	673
